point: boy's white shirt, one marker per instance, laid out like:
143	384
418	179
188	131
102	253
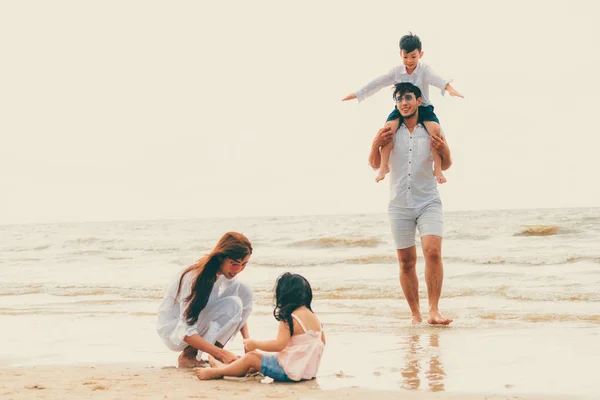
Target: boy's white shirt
422	77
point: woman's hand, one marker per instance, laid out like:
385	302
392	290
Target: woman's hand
226	357
249	345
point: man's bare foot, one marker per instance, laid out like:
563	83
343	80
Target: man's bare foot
205	374
439	177
383	171
435	318
416	319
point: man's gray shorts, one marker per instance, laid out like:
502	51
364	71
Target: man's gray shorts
404	222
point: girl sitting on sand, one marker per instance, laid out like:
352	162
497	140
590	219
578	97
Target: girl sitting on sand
299	344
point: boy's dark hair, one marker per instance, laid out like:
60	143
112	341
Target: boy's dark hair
406	87
291	292
410	42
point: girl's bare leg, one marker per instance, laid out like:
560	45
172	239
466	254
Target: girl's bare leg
240	367
386	150
433	128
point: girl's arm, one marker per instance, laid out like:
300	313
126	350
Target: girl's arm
283	337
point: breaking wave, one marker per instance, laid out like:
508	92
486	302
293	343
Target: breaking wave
539	230
327	242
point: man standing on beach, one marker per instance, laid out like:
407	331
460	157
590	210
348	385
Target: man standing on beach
414	200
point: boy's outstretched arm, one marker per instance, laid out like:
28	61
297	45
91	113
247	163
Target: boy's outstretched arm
453	91
373	87
434	79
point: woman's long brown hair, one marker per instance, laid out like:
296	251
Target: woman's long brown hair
232	245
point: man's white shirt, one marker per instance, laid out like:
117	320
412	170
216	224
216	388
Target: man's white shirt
412	183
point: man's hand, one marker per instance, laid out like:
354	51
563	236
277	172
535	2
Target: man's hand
438	143
441	147
351	96
383	137
249	345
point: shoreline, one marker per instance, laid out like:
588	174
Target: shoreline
130	381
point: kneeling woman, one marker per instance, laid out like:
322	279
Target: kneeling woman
206	306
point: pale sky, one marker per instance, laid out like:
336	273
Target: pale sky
126	110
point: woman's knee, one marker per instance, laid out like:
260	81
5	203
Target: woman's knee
244	292
232	305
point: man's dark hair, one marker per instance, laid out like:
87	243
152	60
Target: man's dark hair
406	87
410	42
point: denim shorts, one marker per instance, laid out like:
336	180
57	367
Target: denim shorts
425	114
269	366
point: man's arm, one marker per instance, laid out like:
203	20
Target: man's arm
383	137
439	144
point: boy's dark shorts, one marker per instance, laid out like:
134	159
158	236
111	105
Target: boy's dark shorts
425	114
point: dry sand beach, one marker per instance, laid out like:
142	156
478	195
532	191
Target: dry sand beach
118	382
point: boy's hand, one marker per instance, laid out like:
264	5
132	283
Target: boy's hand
249	345
453	92
351	96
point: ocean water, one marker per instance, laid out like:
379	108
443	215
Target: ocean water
523	287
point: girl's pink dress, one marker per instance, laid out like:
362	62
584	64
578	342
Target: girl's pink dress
302	356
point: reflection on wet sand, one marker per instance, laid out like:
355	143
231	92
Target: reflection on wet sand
415	354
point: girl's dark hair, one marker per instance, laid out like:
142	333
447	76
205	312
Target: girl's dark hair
232	245
291	292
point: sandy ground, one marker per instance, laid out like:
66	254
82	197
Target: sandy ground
121	382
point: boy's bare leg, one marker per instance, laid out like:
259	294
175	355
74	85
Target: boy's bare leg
433	128
240	367
386	150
